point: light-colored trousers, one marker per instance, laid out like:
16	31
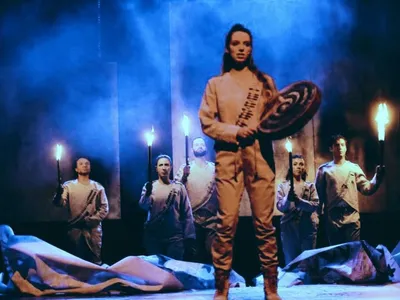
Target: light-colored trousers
86	242
236	170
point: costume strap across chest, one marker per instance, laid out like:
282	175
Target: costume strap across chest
89	209
340	195
249	106
168	204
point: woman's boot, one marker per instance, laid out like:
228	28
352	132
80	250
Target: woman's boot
271	285
221	284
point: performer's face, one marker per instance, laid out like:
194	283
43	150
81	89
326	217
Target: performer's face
163	168
82	166
298	167
199	148
240	46
339	148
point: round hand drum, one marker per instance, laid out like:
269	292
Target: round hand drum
290	111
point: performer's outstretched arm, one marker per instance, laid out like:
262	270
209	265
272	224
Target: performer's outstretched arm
365	186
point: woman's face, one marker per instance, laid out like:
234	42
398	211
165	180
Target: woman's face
298	167
240	46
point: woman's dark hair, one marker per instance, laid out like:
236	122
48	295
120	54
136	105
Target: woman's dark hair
228	62
303	175
163	156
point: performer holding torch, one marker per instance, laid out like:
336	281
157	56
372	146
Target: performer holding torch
169	228
298	200
199	180
87	205
338	183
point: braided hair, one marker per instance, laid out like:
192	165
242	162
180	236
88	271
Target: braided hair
228	63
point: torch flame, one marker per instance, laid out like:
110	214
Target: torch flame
288	145
150	137
58	151
382	119
185	125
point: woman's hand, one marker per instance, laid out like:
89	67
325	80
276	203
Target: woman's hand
245	133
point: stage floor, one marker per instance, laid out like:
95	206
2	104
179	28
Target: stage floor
317	292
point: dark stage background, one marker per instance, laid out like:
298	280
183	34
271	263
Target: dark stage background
94	75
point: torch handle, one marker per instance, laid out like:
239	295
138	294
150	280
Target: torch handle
381	152
58	172
149	165
187	149
291	171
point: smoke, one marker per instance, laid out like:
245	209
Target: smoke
145	71
292	40
57	91
55	88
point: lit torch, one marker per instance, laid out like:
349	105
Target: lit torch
185	126
149	139
58	154
288	146
382	119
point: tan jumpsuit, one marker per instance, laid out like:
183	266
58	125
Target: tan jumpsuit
239	166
